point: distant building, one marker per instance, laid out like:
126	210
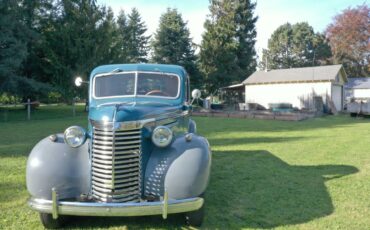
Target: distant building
357	88
297	86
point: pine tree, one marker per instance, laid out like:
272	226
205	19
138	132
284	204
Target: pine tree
122	38
16	34
137	42
106	37
218	52
246	36
13	42
78	37
227	52
172	44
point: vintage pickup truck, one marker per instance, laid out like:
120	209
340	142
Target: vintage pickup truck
140	154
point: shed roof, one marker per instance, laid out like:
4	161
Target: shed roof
233	87
358	83
305	74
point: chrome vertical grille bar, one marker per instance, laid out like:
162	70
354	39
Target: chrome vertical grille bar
113	155
116	164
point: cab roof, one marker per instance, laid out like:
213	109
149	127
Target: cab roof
176	69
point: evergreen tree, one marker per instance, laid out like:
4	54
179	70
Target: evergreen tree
15	36
137	43
132	43
122	38
246	36
227	49
218	51
35	13
172	44
106	36
322	51
13	45
78	37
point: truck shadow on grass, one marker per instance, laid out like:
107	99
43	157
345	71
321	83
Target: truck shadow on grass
258	190
253	189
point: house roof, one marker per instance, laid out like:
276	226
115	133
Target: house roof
234	87
305	74
358	83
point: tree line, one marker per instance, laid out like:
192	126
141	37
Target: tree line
45	44
345	41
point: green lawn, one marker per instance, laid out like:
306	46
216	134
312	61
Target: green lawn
313	174
19	113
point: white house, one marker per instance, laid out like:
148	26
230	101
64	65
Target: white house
357	88
297	86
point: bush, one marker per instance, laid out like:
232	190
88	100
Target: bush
54	97
9	99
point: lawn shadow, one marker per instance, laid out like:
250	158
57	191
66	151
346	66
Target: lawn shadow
259	190
241	140
143	222
249	189
256	125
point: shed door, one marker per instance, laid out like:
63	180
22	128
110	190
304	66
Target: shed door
337	96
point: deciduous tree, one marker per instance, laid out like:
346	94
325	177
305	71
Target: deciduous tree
349	36
295	46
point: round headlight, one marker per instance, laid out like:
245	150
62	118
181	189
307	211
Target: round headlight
162	136
75	136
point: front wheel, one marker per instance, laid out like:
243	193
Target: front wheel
195	218
50	223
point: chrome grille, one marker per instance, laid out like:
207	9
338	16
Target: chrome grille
116	165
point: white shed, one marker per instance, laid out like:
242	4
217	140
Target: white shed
297	86
357	88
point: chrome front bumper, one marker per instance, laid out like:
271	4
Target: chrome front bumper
115	209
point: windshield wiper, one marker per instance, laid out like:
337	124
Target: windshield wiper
116	70
150	102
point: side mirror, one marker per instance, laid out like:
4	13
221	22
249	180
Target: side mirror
195	94
79	81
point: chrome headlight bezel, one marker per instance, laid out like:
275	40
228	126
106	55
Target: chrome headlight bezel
75	132
162	136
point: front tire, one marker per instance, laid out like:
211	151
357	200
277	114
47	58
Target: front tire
195	218
50	223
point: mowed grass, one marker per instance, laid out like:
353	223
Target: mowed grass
313	174
19	113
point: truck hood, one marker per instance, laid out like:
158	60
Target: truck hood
131	111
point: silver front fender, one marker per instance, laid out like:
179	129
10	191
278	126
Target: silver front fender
182	169
56	165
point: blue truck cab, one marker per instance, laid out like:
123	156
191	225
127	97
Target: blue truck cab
139	155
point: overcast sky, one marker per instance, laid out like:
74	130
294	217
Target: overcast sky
271	13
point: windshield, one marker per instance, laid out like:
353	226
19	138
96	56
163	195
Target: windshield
146	85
